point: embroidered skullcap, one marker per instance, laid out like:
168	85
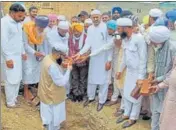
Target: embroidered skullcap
134	19
61	18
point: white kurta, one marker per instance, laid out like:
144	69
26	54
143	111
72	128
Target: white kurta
53	115
12	49
54	39
46	46
31	67
96	38
135	59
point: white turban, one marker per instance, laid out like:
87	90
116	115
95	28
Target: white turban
95	12
124	22
88	21
159	34
61	18
63	25
155	12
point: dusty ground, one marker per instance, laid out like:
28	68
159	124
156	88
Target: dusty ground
78	118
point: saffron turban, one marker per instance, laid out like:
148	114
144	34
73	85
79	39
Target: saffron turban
159	34
124	22
64	25
52	17
155	12
112	24
171	15
117	9
145	20
78	27
41	21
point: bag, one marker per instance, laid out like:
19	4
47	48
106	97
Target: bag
136	92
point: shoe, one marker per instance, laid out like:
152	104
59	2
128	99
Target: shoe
86	103
145	117
128	123
110	103
121	119
99	107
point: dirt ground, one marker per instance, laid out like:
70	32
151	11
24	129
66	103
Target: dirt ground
78	118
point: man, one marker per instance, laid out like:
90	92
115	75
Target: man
51	26
32	14
159	37
58	36
51	91
113	54
96	37
74	19
87	23
171	16
116	11
12	52
80	69
133	46
83	16
106	17
33	39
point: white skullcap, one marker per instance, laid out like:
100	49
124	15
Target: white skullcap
155	12
159	34
61	48
64	25
88	21
124	22
61	18
95	12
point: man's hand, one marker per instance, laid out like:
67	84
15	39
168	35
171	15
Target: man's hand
154	89
10	64
69	66
38	54
118	75
154	82
82	59
76	57
24	57
150	76
108	66
118	42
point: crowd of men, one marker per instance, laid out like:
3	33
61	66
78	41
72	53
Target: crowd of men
81	58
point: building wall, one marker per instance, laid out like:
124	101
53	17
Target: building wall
70	9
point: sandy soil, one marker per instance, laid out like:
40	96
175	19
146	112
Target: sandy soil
78	118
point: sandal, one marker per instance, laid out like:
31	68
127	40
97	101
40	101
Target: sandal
128	123
118	113
121	119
